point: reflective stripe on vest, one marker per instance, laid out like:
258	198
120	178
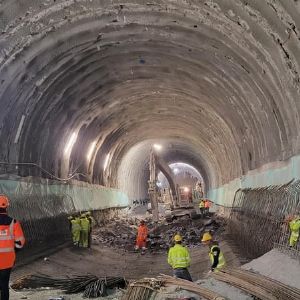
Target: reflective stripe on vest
6	250
7	234
178	257
222	261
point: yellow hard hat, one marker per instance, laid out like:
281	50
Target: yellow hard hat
206	237
177	238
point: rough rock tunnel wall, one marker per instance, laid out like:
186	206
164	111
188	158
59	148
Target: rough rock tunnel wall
217	80
258	219
42	206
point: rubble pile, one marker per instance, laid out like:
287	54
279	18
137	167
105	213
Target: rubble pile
121	233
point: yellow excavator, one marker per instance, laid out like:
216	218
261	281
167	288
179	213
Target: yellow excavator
177	201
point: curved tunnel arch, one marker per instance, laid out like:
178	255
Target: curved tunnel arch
220	81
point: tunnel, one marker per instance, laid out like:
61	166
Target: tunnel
217	82
87	87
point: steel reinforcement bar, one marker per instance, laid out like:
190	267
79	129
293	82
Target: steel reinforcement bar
258	217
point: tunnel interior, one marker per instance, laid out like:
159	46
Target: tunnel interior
88	86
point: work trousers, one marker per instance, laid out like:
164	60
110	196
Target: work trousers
84	236
4	283
76	237
182	273
90	238
202	211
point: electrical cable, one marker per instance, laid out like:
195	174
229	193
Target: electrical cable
43	170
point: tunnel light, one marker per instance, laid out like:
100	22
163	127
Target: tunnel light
106	161
186	189
91	150
157	147
159	184
70	144
176	171
19	129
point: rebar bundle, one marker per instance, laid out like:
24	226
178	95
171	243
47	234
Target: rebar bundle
90	285
257	285
190	286
257	219
144	289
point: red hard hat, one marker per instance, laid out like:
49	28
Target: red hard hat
3	201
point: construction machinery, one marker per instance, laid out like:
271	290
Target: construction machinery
178	201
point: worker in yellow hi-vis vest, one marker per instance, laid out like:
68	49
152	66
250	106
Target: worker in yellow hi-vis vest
294	226
75	229
179	259
85	229
202	207
215	254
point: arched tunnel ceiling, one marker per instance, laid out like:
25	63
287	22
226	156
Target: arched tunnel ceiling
217	79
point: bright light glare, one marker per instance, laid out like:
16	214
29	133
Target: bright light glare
91	150
106	161
70	144
176	171
186	189
157	147
159	184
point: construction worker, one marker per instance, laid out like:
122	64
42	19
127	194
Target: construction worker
179	259
141	239
215	254
11	240
207	204
92	223
294	226
202	207
75	229
84	231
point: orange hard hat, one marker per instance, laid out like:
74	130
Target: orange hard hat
3	201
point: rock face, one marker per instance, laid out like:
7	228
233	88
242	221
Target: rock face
216	82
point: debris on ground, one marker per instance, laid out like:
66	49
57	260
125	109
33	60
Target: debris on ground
121	233
90	285
154	288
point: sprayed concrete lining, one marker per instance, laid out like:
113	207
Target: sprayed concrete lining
216	82
277	173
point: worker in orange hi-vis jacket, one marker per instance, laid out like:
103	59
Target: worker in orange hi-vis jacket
11	239
142	235
207	205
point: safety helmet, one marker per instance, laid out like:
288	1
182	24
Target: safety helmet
70	217
177	238
206	237
88	213
4	203
142	222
